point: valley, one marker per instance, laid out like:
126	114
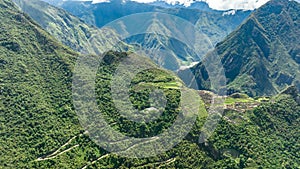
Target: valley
49	56
257	57
82	29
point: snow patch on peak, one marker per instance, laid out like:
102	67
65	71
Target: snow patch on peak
231	12
214	4
99	1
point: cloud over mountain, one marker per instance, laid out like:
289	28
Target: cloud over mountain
215	4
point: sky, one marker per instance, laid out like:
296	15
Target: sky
236	4
222	4
215	4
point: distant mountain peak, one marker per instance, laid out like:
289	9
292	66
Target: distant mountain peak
211	4
262	56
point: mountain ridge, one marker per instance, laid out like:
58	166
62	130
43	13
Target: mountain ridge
34	80
258	58
40	129
214	24
67	28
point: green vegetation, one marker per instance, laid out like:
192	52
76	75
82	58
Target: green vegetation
68	29
231	100
142	85
268	140
35	74
212	23
39	127
260	58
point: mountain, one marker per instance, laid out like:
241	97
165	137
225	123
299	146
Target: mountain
67	28
39	126
214	24
35	76
40	129
270	131
203	6
100	14
262	56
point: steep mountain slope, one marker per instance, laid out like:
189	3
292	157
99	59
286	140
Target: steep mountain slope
91	40
103	13
39	127
67	28
35	75
203	6
271	130
262	56
215	24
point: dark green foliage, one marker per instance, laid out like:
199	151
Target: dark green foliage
212	24
36	111
139	96
267	140
66	28
39	127
260	57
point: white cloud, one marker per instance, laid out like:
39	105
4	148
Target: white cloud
144	1
215	4
235	4
100	1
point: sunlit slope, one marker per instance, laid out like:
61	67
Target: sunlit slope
262	56
68	29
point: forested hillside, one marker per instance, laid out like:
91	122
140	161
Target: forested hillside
262	56
68	29
36	108
215	25
40	129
